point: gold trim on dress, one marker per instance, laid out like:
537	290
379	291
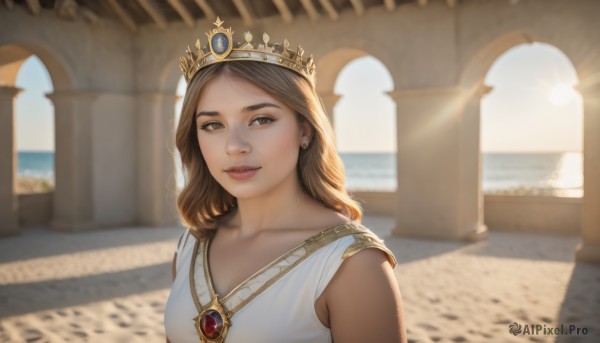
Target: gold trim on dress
365	241
250	288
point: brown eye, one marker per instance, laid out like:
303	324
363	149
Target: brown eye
263	120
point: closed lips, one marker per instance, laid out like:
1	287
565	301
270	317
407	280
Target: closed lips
240	169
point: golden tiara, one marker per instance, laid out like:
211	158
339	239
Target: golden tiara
220	49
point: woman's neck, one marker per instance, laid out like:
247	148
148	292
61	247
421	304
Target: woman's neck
281	208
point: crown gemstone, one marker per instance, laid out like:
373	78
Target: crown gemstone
211	324
220	43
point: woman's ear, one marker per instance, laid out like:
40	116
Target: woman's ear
306	132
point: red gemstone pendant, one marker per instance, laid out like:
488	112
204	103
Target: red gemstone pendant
211	324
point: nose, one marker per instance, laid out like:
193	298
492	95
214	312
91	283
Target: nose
236	142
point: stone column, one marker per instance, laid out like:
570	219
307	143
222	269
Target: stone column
435	197
9	202
73	208
471	171
329	100
156	196
589	249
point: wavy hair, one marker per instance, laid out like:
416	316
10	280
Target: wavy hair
203	200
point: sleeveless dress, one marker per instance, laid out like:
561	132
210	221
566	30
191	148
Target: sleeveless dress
276	304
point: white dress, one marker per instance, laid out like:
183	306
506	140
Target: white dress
276	304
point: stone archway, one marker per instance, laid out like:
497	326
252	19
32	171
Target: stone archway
12	58
329	67
473	88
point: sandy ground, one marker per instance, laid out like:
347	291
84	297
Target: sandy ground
112	286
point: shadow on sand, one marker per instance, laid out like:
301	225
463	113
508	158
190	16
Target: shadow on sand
44	242
68	292
581	305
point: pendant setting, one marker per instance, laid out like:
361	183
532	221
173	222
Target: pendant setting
212	324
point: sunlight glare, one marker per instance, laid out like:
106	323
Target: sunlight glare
561	94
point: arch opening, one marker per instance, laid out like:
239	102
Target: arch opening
34	115
532	124
364	122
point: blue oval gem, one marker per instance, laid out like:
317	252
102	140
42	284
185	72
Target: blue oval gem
220	43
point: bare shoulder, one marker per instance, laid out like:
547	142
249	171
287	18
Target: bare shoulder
322	218
364	301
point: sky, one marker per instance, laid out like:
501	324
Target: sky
532	107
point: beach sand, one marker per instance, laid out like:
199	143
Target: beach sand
112	286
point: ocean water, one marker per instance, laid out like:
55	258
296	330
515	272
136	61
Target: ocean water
554	174
39	164
557	174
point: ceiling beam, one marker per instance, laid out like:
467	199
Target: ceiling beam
66	9
284	10
451	3
310	9
422	3
328	7
359	8
34	6
89	16
187	17
9	4
244	11
209	13
154	11
390	5
122	14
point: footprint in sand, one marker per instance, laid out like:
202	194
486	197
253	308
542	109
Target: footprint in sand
521	314
114	315
156	304
428	326
503	321
99	331
80	334
47	317
450	316
496	301
545	319
458	339
33	335
141	333
120	306
124	325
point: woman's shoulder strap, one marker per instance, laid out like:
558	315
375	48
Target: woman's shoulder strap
366	239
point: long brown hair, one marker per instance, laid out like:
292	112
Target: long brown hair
202	200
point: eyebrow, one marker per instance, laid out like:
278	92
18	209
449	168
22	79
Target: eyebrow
245	109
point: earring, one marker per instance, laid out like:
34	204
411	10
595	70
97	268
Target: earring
304	145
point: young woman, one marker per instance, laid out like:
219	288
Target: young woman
274	251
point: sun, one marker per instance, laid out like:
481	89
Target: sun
561	94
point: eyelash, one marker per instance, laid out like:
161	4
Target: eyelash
205	126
